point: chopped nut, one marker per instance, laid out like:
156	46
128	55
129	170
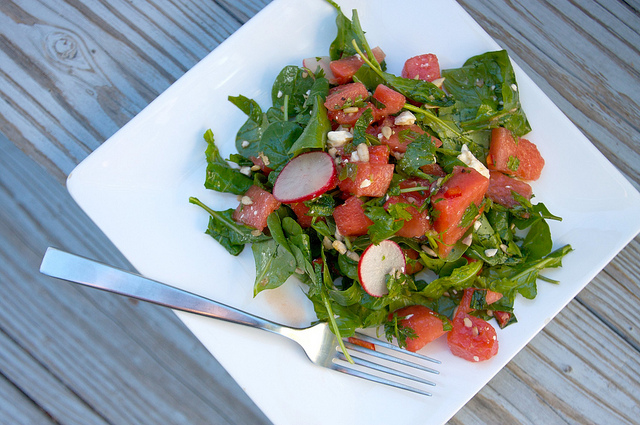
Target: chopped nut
326	243
256	232
490	252
246	200
386	131
339	246
333	152
264	158
504	248
475	331
467	322
351	110
363	152
255	168
476	358
427	250
438	82
353	256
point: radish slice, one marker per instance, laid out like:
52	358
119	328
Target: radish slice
378	261
323	62
306	176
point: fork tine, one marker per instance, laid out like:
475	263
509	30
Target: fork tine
374	378
385	369
387	357
385	344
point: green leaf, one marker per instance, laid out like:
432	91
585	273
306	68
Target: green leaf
274	265
292	83
486	93
461	278
314	135
251	131
223	228
220	176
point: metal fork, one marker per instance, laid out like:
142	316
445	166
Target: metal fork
318	342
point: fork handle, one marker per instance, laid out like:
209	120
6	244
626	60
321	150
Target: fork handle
81	270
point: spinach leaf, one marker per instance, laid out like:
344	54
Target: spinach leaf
486	93
223	228
276	141
292	83
220	176
341	46
274	265
251	131
314	136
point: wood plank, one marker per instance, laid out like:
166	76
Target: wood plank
74	72
17	408
131	362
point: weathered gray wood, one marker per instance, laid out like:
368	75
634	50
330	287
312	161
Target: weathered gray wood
73	72
86	356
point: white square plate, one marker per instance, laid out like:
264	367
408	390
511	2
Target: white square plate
136	187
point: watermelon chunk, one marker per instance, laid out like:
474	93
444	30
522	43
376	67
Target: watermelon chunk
255	207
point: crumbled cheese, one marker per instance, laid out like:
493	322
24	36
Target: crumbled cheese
354	156
279	94
338	138
405	118
476	225
246	170
467	157
468	239
476	358
246	200
245	143
514	87
332	152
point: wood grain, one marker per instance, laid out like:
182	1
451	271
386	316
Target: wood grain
72	72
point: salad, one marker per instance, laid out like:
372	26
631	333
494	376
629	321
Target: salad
401	202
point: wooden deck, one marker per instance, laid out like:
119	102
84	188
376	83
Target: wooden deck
72	72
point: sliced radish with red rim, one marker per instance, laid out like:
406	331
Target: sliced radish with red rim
305	177
376	263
